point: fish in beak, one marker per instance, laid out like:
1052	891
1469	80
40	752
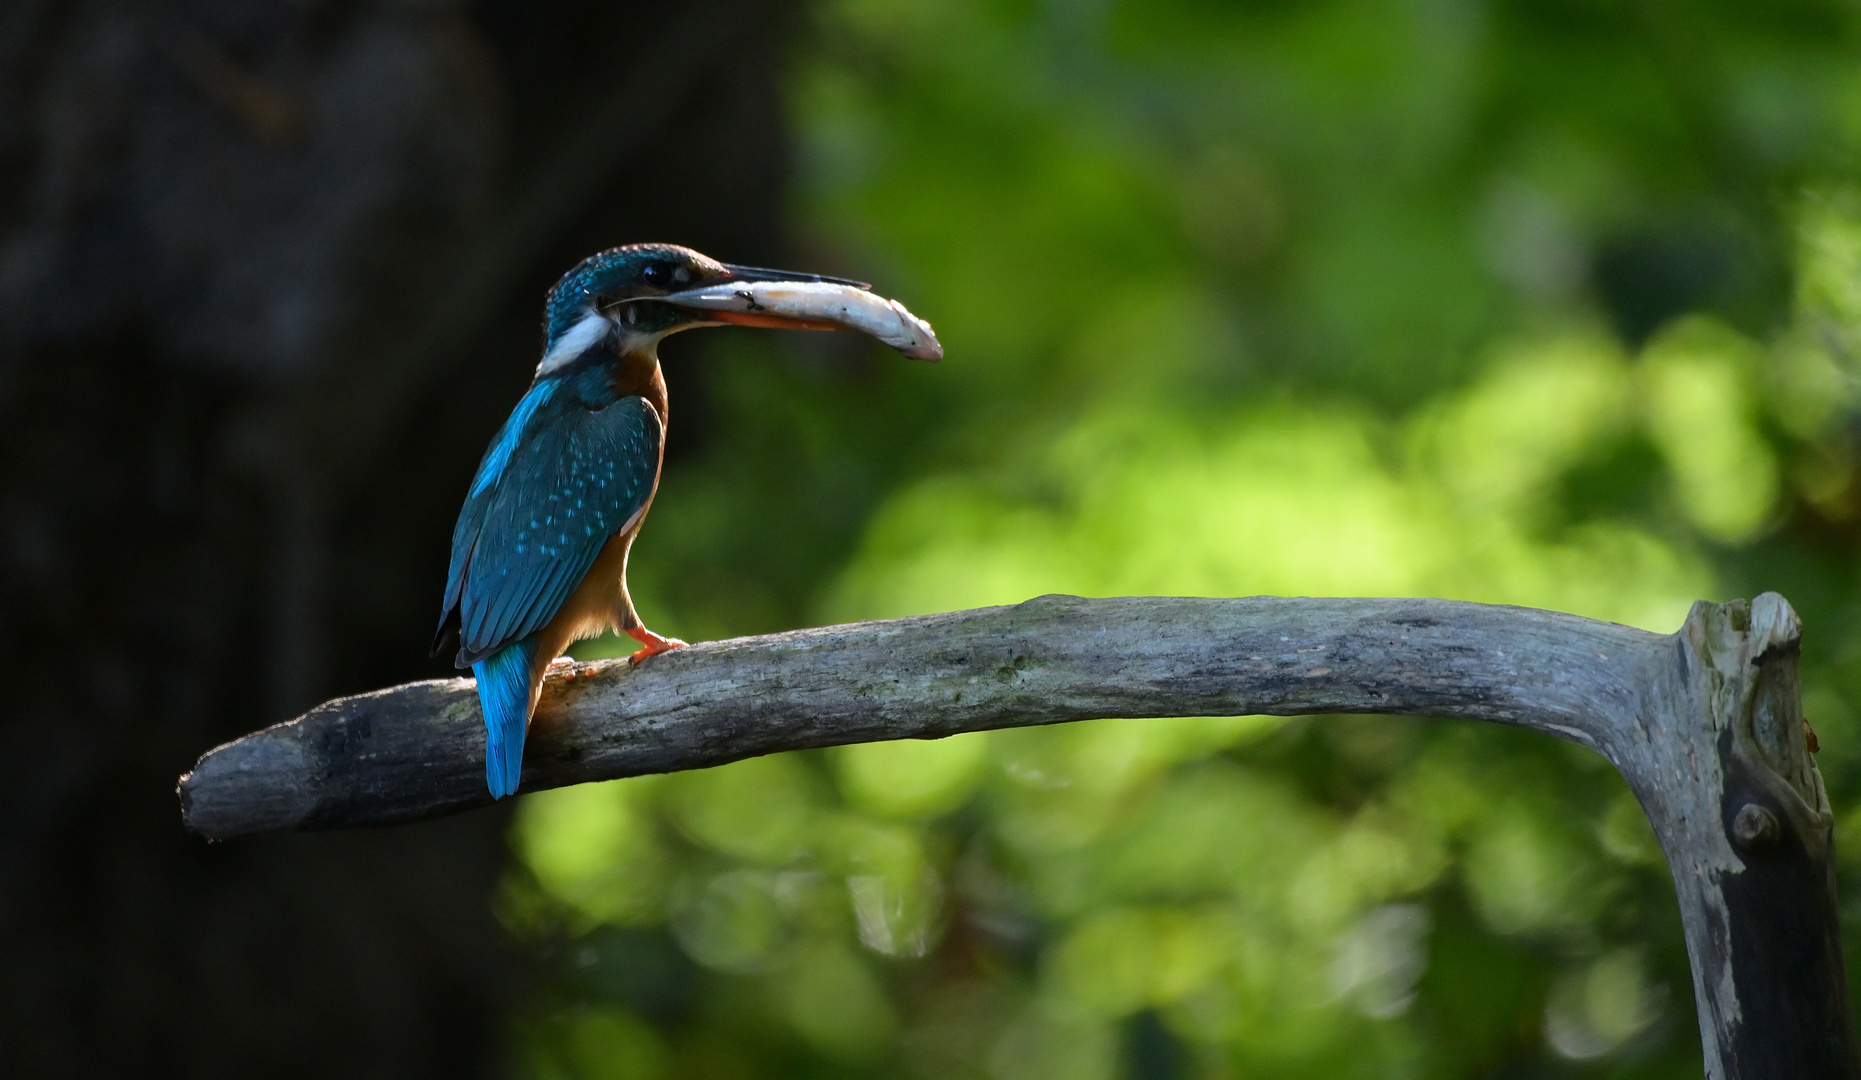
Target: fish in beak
770	298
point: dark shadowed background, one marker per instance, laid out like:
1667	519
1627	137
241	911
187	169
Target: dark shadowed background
271	273
1546	302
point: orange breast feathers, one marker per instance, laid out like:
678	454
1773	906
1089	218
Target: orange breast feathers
639	375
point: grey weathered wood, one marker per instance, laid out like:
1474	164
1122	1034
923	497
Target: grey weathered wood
1705	724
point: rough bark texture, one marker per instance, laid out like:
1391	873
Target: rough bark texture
1706	725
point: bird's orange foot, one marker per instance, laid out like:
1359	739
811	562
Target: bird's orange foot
653	642
561	661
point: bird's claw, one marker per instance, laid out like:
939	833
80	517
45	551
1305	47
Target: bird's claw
653	642
663	645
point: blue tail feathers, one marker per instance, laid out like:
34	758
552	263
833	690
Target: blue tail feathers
504	697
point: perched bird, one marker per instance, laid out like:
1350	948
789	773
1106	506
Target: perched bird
539	556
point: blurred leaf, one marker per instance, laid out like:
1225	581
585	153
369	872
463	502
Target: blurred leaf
1530	303
912	778
591	847
759	809
1702	415
837	1004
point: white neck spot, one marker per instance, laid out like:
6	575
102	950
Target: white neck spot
578	339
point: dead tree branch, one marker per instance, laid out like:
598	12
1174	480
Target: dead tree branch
1705	724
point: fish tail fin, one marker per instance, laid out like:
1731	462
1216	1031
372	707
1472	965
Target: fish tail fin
504	698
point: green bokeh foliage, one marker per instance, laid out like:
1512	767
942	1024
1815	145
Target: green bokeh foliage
1550	303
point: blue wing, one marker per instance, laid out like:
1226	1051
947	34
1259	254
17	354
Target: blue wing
558	483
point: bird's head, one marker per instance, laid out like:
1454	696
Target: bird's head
642	292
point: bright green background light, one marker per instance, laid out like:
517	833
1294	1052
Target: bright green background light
1537	303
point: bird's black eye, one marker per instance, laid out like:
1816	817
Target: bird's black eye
655	274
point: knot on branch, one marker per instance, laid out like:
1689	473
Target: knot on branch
1752	648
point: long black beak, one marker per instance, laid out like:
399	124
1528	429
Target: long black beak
758	273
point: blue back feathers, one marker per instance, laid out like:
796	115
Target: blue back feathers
570	469
573	474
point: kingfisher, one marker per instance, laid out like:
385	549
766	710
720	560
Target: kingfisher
539	554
